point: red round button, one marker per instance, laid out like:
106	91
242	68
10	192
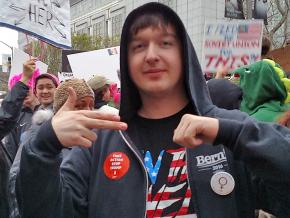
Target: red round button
116	165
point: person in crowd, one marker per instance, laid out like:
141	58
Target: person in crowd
266	46
45	86
225	94
10	111
30	104
84	101
101	88
84	93
266	90
171	153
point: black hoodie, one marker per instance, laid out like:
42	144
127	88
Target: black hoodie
80	186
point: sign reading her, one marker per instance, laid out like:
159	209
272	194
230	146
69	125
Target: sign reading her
48	20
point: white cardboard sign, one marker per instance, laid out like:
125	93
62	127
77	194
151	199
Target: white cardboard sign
103	62
48	20
19	57
231	44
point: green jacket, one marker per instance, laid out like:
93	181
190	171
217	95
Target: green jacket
264	92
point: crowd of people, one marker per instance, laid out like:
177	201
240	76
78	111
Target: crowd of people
169	144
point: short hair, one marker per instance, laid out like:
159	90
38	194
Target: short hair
53	78
266	45
153	19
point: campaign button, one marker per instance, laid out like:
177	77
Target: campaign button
116	165
222	183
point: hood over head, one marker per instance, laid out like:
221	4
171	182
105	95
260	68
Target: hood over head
194	79
264	93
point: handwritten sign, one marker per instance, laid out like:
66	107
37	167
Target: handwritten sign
63	76
104	62
231	44
48	20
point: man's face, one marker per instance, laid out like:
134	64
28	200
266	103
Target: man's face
155	61
85	103
45	89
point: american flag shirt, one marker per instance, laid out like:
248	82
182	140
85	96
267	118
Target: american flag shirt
169	194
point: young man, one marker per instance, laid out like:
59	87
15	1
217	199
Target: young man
144	169
101	88
45	86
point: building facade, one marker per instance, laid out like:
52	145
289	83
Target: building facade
106	17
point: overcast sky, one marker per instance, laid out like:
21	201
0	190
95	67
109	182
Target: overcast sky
10	37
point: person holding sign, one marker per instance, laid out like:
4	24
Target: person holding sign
10	112
171	153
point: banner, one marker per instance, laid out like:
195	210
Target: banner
234	9
47	20
63	76
231	44
104	62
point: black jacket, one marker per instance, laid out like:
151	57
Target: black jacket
9	114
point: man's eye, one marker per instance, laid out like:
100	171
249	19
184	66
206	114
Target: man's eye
138	46
166	43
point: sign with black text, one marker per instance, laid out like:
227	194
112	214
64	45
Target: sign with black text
231	44
47	20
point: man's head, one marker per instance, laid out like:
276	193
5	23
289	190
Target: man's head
85	95
45	86
101	87
155	54
266	46
182	74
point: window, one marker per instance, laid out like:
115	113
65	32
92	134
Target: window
82	29
117	25
99	27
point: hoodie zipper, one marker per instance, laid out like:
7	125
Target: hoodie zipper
187	177
142	164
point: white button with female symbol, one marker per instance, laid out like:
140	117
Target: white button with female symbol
222	183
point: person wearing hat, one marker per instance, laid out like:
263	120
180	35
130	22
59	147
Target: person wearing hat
44	88
101	88
84	101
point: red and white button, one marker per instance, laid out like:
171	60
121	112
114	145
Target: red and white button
116	165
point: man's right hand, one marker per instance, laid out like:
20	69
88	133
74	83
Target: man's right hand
28	69
74	127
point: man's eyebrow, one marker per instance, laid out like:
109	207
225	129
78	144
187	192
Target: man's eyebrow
165	34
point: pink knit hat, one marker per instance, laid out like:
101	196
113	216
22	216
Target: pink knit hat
31	82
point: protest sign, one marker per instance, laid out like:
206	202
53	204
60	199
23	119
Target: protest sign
231	44
19	57
103	62
63	76
48	20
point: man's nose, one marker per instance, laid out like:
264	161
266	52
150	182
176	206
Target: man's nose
45	90
152	55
